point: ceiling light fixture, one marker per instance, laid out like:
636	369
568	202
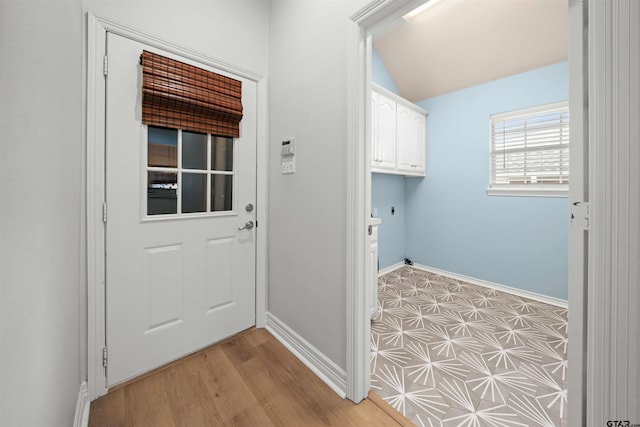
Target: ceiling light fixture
418	10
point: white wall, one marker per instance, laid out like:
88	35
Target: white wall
42	173
235	31
40	211
307	210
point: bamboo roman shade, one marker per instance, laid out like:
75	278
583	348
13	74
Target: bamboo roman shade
180	96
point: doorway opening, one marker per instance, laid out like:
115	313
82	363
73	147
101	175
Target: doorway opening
382	25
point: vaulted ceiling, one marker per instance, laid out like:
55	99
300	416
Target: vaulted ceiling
461	43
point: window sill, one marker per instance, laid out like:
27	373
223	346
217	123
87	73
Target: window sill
527	191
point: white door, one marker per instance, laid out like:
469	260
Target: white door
180	273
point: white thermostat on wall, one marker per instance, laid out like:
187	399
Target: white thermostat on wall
288	147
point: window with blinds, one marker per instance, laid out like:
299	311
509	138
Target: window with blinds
530	151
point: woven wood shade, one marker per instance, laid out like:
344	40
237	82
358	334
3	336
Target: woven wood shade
180	96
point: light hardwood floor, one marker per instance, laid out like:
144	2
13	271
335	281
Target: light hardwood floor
248	380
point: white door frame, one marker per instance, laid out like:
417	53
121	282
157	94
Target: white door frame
377	16
96	50
613	297
578	193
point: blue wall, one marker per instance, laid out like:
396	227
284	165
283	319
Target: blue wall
379	73
388	191
451	222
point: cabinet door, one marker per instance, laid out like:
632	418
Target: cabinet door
420	126
374	129
411	141
386	133
406	139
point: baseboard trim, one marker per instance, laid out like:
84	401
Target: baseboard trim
485	283
81	418
332	375
389	269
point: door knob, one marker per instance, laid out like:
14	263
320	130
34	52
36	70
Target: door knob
247	226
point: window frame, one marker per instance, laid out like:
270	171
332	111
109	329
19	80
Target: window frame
179	170
527	190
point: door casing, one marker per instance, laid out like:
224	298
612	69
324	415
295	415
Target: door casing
98	28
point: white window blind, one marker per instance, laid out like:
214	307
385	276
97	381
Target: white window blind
530	151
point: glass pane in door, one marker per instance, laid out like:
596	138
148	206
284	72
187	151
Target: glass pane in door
194	150
194	192
221	193
162	188
162	147
221	153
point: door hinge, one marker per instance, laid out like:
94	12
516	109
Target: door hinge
105	65
104	356
580	215
104	212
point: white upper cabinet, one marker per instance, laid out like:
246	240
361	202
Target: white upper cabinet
398	134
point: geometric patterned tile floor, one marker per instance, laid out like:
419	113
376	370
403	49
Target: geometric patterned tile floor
449	353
